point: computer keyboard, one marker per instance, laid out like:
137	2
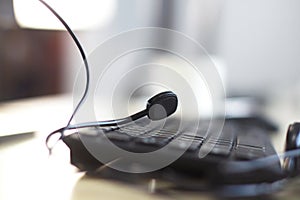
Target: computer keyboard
239	140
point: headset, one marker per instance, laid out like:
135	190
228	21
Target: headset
165	104
158	107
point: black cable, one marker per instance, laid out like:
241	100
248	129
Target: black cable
116	122
167	100
235	167
83	55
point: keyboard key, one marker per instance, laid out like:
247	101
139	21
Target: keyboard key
252	137
246	152
118	136
220	144
193	137
188	142
153	141
194	146
250	145
217	149
165	133
180	144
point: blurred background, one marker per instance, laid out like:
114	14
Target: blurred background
256	43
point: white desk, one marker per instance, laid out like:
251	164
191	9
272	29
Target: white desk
27	172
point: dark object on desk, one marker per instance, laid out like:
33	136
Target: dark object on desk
293	142
239	141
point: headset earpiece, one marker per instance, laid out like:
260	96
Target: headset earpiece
162	105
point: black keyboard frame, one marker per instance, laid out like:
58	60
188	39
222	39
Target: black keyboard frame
251	141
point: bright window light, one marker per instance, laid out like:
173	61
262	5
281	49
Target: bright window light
79	14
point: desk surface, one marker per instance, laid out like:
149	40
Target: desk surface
27	172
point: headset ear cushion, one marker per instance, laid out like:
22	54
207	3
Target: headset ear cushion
162	105
292	164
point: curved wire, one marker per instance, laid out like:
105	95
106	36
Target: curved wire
235	167
115	122
61	131
83	55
